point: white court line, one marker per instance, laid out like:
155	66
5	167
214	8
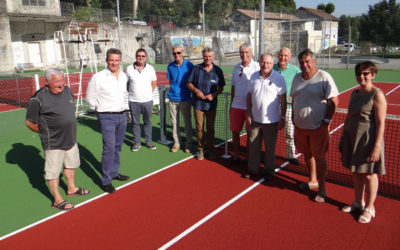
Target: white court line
212	214
90	200
393	90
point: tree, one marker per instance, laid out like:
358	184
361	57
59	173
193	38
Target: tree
382	23
344	23
329	8
321	6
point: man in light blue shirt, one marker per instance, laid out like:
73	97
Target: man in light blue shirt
179	98
288	71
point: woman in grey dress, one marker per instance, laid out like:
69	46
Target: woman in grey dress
361	144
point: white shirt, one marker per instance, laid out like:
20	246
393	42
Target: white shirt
241	80
265	97
106	93
140	83
310	99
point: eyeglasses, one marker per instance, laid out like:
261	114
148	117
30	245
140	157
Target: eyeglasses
241	72
176	53
363	73
141	56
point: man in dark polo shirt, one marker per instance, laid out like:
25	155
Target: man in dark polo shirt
51	113
206	81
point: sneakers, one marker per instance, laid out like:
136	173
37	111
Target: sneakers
200	155
151	146
135	148
175	148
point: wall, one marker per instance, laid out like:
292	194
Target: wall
52	9
192	42
6	54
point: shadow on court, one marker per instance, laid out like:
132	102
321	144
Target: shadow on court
29	159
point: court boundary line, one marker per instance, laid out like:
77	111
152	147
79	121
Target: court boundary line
92	199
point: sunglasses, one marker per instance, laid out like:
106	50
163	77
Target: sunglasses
176	53
241	72
363	73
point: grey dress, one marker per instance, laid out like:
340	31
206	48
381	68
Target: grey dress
358	136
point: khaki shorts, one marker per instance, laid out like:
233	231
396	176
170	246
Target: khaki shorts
56	158
314	142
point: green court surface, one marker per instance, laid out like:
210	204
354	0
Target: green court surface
26	198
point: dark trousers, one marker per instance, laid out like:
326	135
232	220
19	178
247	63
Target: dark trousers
113	127
144	108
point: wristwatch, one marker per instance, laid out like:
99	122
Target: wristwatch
327	120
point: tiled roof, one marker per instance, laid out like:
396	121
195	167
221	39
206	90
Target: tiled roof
319	13
267	15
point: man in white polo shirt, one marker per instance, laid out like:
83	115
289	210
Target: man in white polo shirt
240	83
266	109
142	82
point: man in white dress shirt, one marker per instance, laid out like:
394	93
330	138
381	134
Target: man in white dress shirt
106	94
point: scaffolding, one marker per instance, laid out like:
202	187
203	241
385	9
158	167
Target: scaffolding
84	42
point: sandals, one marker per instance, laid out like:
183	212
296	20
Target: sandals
320	198
79	192
353	207
363	219
62	206
307	186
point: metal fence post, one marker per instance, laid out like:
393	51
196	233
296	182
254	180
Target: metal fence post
163	139
226	155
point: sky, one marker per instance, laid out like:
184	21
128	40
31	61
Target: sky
342	7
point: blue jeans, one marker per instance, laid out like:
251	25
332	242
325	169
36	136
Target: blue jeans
113	127
136	109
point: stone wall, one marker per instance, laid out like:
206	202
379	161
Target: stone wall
6	52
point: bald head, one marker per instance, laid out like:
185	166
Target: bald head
284	57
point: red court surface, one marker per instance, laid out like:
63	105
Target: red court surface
393	99
150	213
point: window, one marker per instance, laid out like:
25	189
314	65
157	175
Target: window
34	2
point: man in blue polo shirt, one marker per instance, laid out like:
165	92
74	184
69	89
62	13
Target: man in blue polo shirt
179	97
206	81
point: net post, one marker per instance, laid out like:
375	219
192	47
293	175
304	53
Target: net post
37	85
226	155
163	139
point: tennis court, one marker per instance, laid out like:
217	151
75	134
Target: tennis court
176	201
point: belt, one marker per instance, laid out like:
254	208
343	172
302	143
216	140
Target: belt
112	113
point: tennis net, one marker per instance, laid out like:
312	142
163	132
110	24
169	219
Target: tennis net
389	184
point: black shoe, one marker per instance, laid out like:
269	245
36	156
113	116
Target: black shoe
109	188
249	176
269	175
294	161
121	177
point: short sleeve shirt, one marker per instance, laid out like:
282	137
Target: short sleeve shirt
55	116
178	75
241	80
208	83
310	99
265	97
288	73
140	83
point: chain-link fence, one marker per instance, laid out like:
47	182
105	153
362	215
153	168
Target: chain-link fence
74	35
